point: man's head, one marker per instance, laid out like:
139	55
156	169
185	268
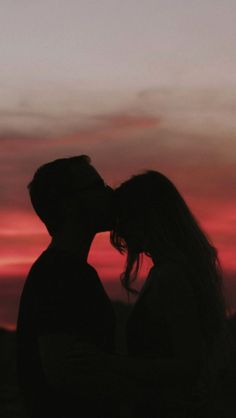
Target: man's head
68	189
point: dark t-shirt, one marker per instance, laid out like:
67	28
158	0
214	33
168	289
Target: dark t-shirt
61	295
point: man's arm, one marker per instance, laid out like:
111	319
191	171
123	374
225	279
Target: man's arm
81	369
53	349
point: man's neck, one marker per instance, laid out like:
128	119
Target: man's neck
77	243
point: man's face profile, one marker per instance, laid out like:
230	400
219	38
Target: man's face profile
95	197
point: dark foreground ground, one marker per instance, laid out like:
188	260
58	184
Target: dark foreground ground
10	402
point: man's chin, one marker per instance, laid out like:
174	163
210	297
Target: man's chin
105	227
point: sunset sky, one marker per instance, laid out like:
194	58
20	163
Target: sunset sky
135	85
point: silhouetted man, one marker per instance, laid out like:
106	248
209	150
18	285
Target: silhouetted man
63	301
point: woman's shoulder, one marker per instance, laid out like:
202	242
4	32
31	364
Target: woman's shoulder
171	288
172	276
170	269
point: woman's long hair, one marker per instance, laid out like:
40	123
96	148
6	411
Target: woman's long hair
170	231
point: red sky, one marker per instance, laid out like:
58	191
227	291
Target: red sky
186	134
155	92
189	135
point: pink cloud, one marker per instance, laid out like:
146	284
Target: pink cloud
166	131
124	121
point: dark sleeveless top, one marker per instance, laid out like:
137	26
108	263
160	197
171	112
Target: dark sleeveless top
148	334
151	332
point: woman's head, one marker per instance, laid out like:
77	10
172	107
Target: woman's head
153	218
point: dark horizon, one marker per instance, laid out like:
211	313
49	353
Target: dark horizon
11	289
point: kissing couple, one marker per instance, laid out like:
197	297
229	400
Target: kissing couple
176	334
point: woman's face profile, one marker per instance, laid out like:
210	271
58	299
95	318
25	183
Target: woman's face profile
103	208
131	229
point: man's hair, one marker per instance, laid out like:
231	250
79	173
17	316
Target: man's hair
54	185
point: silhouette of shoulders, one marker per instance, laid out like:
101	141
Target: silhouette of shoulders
62	295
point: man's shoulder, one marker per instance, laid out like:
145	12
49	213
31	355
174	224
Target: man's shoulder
58	262
54	269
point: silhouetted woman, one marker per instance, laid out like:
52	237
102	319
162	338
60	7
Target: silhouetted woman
177	324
